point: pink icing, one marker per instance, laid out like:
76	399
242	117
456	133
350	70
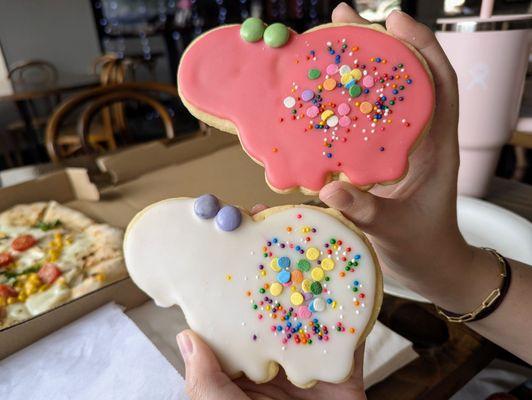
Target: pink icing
246	83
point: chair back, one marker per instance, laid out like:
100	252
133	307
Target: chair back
33	71
91	102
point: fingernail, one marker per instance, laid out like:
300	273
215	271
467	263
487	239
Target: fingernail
337	198
342	5
185	345
400	13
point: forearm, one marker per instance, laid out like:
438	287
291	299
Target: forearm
460	277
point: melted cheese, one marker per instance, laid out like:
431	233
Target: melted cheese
44	301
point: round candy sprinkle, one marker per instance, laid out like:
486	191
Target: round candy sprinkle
312	253
297	276
306	284
283	276
289	102
350	84
368	81
276	289
314	73
343	109
327	264
312	111
296	298
355	91
206	206
329	84
274	265
332	121
366	107
326	114
318	304
356	73
252	29
307	95
316	288
345	79
303	312
284	262
331	69
344	69
303	265
317	274
276	35
344	121
228	218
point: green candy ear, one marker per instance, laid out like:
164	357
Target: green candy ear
252	29
276	35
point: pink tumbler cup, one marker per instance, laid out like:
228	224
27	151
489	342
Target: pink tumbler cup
490	56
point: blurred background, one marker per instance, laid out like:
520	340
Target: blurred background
53	50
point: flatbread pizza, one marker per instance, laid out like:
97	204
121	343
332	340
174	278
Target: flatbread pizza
50	254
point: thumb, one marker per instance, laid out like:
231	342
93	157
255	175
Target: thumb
204	377
367	211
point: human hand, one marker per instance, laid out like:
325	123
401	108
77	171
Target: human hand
205	379
413	223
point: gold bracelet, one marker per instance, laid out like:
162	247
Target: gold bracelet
490	303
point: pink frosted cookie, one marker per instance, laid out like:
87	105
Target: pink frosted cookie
295	286
341	101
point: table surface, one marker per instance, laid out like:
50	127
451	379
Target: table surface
449	354
17	91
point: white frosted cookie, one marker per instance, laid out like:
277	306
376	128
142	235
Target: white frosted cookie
296	286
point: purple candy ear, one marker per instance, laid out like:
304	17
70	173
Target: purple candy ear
206	206
228	218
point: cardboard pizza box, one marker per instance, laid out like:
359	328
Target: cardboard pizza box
208	163
167	171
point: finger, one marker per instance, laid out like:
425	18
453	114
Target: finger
257	208
404	27
366	210
204	377
343	13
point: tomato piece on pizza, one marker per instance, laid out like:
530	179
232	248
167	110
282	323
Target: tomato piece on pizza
7	291
49	272
5	259
23	242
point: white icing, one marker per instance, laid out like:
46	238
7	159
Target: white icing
178	258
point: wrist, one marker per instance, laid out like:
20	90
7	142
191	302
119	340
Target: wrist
477	277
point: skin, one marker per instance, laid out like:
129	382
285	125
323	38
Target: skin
413	227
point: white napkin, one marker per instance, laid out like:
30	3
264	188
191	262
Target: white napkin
386	351
105	356
101	356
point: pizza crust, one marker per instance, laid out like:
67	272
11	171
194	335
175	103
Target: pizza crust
23	214
70	219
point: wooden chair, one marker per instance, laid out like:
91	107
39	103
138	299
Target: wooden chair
101	102
38	72
33	71
87	139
